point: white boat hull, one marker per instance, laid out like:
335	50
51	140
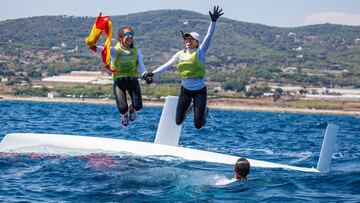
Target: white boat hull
34	143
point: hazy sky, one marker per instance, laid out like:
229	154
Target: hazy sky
282	13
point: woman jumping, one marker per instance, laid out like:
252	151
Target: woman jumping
191	65
127	61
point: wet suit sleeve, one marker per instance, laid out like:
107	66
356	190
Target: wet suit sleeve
99	49
206	42
167	65
141	63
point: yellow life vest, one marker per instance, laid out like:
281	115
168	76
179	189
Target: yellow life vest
189	65
125	63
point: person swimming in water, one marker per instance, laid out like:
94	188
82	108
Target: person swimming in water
241	169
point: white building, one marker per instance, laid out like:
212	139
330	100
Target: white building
81	77
53	94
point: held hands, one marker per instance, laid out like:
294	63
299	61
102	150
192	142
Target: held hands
216	14
148	77
94	48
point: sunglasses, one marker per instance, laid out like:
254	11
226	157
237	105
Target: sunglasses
128	34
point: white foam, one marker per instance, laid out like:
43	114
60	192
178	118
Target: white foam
300	155
222	180
338	155
266	151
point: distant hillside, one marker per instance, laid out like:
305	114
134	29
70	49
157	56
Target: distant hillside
239	51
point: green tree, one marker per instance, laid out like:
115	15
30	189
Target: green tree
256	91
277	94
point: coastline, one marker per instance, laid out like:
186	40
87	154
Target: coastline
212	104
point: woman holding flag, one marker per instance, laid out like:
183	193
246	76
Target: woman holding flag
125	62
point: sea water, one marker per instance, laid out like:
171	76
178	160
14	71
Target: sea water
276	137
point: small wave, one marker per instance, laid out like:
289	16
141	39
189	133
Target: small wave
301	156
338	155
266	151
222	180
169	158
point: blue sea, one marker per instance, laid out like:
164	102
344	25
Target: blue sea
286	138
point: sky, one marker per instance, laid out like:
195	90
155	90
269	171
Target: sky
280	13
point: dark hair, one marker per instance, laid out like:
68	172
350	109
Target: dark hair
242	168
121	32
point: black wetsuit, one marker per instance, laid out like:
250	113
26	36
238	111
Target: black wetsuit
199	105
130	84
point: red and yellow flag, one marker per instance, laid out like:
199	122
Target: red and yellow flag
102	24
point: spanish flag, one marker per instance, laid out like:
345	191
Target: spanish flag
102	24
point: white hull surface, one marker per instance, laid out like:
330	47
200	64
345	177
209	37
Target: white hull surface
34	143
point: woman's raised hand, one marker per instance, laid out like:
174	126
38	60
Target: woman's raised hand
216	14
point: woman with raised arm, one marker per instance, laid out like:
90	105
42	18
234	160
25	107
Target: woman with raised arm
191	65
